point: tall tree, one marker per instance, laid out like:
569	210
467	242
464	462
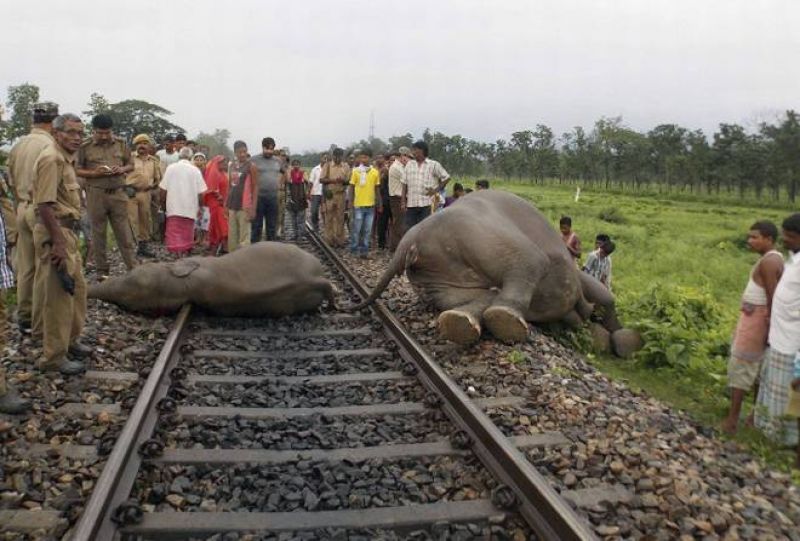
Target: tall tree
397	141
785	161
132	117
545	155
217	142
97	104
21	99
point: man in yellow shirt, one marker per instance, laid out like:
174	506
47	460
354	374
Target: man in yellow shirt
365	182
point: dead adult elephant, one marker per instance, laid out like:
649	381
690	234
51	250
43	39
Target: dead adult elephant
493	260
264	279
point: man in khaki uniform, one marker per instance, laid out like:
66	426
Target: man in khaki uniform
104	160
139	186
334	178
59	277
20	167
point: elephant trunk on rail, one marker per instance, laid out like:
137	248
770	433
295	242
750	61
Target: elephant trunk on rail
493	261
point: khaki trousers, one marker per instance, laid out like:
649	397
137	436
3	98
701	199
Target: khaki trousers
281	212
157	228
25	266
112	206
238	229
3	386
334	219
65	314
139	216
398	222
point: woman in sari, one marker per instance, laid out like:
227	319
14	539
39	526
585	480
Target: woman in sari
214	199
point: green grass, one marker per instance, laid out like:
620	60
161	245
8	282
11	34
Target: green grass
682	246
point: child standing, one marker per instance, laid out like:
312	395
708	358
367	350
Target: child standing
570	238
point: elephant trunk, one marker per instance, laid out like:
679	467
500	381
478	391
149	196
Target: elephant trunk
396	266
107	290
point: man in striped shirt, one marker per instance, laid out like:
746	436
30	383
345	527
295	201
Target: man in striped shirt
422	179
10	402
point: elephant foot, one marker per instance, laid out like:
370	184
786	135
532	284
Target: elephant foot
506	324
459	327
601	338
626	342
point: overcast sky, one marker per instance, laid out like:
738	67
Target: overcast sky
309	72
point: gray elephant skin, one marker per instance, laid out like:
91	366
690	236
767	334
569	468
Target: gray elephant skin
492	260
266	279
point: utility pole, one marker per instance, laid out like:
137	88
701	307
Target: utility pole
371	125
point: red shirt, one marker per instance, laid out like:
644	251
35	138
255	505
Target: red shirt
297	176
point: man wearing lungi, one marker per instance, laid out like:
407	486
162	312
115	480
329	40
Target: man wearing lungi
750	338
776	411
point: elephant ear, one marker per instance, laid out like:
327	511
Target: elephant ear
183	268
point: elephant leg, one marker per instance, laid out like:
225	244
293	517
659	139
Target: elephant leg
597	294
462	324
505	317
574	319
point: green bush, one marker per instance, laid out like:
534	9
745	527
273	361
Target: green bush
612	215
681	327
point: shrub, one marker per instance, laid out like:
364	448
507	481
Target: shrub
680	325
612	215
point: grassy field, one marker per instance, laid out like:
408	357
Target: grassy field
678	271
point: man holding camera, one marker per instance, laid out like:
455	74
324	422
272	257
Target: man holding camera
104	160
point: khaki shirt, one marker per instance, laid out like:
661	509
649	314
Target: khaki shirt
57	183
331	171
146	173
92	155
22	159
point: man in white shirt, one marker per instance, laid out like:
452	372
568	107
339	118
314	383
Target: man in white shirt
167	155
182	191
781	368
396	173
316	191
422	179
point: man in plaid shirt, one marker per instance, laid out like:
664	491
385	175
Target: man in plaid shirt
10	402
422	179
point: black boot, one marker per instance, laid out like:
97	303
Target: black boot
80	350
143	251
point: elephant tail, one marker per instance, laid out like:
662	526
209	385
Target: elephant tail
403	257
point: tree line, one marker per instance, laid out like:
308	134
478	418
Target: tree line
130	116
760	163
764	162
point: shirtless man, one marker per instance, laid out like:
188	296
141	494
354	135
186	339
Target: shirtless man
750	338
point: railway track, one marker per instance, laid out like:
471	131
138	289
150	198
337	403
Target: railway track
331	424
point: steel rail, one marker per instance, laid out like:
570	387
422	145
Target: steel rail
543	509
119	471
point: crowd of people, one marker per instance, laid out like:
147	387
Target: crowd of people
63	186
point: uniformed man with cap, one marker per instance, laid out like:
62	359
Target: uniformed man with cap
334	178
59	277
104	160
139	185
20	167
